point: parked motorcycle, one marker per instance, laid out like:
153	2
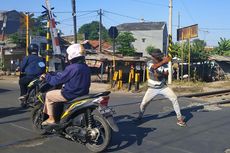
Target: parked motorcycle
87	120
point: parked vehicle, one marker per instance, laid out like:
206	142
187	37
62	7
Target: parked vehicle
87	120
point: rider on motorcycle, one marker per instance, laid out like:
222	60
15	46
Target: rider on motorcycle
31	67
75	79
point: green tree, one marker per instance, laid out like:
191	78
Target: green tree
16	38
150	49
223	47
37	27
91	31
124	43
176	50
197	50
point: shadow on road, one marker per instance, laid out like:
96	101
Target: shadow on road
4	90
129	133
5	112
186	113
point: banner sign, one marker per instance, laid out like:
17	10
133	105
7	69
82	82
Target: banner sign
187	32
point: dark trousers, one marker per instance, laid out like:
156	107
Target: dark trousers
23	83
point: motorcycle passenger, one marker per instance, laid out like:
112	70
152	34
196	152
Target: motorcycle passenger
75	79
32	66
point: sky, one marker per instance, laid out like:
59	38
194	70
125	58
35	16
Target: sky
212	16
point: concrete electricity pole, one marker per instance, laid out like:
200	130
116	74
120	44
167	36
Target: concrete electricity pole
27	33
3	39
169	43
74	20
100	36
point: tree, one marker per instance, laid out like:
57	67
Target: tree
17	39
223	48
124	43
197	50
37	27
91	31
150	49
176	50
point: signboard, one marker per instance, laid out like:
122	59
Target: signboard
113	32
187	32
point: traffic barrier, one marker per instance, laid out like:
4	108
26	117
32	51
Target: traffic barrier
115	77
147	74
131	78
119	83
47	46
137	81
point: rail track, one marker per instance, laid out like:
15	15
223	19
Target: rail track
219	96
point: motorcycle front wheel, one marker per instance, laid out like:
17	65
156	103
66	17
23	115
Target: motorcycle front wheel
37	118
102	141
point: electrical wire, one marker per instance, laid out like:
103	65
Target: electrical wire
122	15
187	10
150	3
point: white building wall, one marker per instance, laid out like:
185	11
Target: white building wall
147	38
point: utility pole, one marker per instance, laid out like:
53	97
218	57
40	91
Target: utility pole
100	23
178	20
27	33
170	38
3	36
74	20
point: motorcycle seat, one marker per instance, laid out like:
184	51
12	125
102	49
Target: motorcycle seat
89	96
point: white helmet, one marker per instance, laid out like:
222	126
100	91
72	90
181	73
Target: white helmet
75	50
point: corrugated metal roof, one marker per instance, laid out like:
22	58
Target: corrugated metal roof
220	58
102	56
141	26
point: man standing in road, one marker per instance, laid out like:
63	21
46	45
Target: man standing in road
157	85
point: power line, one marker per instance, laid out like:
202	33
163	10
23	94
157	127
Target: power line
122	15
216	29
187	10
60	12
150	3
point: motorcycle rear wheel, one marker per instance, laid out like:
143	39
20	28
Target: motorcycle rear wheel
104	138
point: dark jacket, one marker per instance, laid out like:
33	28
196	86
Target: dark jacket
32	66
76	80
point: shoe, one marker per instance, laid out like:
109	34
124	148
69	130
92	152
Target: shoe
181	122
139	117
21	98
46	123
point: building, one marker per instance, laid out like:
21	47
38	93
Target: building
9	22
146	34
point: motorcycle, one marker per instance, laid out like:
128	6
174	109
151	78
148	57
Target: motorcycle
32	90
87	120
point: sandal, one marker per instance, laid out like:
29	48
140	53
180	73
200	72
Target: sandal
46	123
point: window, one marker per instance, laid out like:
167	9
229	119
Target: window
143	40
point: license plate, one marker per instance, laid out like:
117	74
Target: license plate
106	111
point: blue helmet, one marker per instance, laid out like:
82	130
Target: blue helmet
33	49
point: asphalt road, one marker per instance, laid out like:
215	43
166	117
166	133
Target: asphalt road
207	130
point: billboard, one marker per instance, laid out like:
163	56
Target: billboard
187	32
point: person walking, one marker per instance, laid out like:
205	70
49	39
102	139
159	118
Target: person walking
158	72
